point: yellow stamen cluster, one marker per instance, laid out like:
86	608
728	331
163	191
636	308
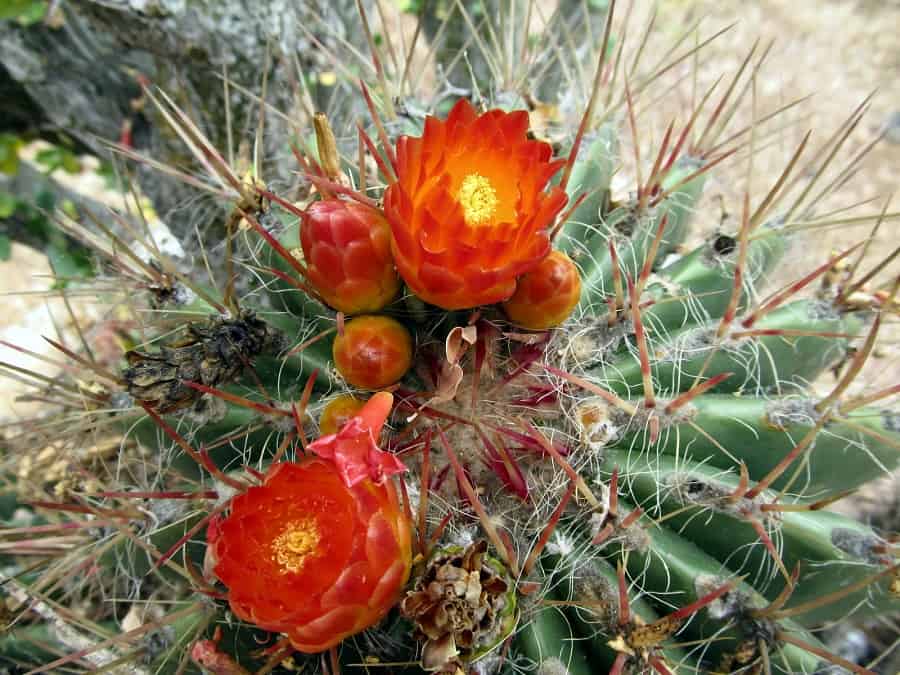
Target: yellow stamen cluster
296	544
478	199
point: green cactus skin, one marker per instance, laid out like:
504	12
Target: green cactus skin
770	362
699	285
808	538
674	564
632	230
138	559
594	580
591	176
548	642
677	534
760	431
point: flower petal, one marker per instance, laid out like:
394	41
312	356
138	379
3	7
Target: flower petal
478	168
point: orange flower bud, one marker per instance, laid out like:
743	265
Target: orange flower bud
545	296
311	555
347	250
374	352
337	413
468	211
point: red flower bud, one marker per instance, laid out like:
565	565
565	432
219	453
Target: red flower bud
373	352
347	248
337	412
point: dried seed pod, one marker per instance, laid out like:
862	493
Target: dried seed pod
212	354
463	605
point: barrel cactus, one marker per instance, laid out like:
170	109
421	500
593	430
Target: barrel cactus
455	402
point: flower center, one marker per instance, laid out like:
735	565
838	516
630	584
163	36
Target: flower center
296	544
477	198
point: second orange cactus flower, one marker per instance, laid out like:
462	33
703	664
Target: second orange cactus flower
322	549
469	212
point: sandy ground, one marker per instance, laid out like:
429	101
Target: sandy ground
838	51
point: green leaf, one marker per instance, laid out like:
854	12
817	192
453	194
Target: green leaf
46	200
9	153
69	208
409	6
5	248
36	12
57	157
8	204
70	163
50	158
13	9
68	263
26	12
35	221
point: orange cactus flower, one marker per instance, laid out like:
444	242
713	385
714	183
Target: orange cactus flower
347	250
322	549
469	212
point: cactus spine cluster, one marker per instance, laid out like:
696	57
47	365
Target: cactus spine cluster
620	466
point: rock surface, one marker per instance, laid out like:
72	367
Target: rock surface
80	74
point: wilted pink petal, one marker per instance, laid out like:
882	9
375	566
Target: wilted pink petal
354	450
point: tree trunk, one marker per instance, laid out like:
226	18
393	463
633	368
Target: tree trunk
78	72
